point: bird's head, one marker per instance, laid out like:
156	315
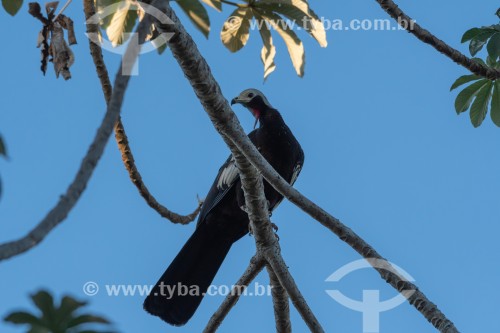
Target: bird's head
253	100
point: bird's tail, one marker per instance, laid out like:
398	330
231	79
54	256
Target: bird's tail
178	293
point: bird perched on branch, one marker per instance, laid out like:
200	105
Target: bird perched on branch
222	220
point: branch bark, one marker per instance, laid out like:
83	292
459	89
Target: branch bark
427	37
254	268
73	193
266	242
120	134
208	92
280	303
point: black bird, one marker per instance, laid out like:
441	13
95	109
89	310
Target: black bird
222	220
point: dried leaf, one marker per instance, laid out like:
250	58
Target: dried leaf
36	11
50	8
58	49
62	56
67	24
44	48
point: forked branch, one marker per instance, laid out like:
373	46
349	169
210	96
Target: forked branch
208	91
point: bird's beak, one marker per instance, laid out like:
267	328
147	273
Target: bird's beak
234	101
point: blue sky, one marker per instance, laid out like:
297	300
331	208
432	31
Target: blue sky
385	152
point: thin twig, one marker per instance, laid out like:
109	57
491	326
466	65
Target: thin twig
120	134
69	199
280	303
254	268
208	91
427	37
62	10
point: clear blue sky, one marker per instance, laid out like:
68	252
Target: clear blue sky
385	152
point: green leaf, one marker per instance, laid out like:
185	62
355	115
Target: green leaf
12	6
87	319
308	22
22	318
122	23
216	4
490	62
197	14
101	6
268	51
44	301
236	30
495	104
477	43
293	43
493	46
480	61
479	108
3	149
301	5
67	307
465	97
472	33
464	79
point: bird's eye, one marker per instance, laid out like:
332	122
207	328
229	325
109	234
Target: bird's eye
250	95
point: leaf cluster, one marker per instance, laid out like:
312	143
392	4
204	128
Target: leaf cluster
62	318
282	16
482	94
51	42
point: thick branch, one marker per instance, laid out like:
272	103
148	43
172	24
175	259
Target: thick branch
254	268
76	188
267	244
280	303
121	136
208	91
427	37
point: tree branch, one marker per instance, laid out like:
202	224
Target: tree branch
208	91
427	37
121	136
254	268
280	303
69	199
267	244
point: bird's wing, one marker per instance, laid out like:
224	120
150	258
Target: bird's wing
295	175
226	178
